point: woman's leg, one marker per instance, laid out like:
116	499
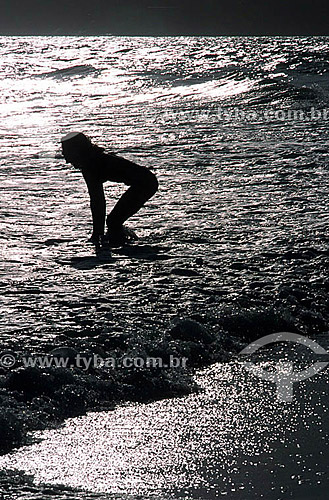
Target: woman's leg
131	201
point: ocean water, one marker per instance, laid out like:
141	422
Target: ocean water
245	193
233	440
236	130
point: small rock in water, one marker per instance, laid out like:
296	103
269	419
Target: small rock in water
190	330
116	340
180	271
65	353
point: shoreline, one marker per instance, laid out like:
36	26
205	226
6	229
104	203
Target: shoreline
35	398
236	420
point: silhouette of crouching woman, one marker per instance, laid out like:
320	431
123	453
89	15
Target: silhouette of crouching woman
98	167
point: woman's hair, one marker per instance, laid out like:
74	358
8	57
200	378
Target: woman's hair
78	148
93	147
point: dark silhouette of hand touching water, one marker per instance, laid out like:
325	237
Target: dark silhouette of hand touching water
98	167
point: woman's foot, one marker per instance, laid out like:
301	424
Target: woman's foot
120	236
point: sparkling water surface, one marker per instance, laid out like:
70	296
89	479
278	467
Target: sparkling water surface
242	202
232	192
233	440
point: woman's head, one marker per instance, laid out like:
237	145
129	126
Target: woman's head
78	149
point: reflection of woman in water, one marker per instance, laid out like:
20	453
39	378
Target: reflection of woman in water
98	167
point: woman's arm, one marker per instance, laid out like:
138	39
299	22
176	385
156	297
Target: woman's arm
97	203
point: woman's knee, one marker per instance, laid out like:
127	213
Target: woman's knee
151	185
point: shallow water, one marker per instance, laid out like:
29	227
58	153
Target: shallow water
235	194
242	204
233	440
